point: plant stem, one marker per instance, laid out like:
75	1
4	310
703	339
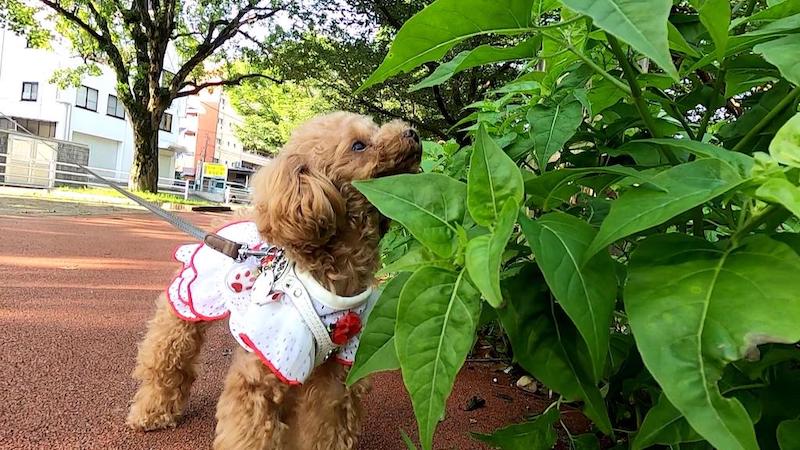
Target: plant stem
697	222
636	93
766	120
614	80
676	114
710	104
770	213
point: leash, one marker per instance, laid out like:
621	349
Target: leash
216	242
227	247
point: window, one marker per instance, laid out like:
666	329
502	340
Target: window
166	122
87	98
114	107
30	91
37	127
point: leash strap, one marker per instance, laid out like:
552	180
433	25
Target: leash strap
302	302
225	246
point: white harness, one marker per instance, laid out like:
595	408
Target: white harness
275	311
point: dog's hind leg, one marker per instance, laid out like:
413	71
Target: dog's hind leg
328	414
251	408
165	367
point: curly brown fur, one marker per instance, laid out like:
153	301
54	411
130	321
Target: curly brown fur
165	367
304	202
251	408
327	411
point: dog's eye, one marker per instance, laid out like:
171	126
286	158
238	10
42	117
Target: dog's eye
359	146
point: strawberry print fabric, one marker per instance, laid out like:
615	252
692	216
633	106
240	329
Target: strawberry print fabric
256	295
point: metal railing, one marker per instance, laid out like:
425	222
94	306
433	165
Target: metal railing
237	195
51	174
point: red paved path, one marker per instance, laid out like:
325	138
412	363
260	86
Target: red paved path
75	293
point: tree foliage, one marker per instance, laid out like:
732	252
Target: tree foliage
628	205
270	111
335	45
133	38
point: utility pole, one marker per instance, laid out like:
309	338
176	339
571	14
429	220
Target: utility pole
200	168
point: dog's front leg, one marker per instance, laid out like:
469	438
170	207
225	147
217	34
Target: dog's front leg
328	414
165	366
251	408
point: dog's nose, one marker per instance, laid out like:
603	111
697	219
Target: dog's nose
411	134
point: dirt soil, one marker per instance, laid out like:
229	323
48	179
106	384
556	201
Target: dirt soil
76	288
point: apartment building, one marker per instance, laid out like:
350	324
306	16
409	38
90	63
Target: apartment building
209	133
90	114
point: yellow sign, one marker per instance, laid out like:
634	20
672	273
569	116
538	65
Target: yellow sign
214	170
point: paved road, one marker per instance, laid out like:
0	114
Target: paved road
75	293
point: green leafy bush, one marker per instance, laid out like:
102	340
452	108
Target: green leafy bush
629	208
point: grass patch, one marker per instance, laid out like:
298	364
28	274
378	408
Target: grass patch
161	197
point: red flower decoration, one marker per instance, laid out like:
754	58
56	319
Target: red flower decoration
346	327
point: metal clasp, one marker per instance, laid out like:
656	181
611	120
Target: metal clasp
245	253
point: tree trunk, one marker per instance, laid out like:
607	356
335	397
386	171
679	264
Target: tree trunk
144	172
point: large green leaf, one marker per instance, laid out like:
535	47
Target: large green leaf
789	434
478	56
643	25
664	425
432	32
436	320
731	133
783	9
785	146
604	94
429	205
376	349
537	434
694	307
702	150
485	253
747	71
678	42
688	185
781	191
784	25
493	178
546	344
586	292
552	188
414	259
551	127
782	53
716	16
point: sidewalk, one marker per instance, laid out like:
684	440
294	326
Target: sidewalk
77	293
32	201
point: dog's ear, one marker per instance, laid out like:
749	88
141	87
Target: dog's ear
297	207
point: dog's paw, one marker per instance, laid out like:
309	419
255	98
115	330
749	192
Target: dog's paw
150	421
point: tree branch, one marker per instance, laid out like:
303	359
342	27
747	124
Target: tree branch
72	17
211	42
230	82
437	93
103	40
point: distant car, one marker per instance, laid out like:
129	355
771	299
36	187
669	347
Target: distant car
237	193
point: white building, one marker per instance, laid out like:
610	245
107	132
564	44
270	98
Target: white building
208	131
89	114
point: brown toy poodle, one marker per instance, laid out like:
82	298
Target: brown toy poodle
320	239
